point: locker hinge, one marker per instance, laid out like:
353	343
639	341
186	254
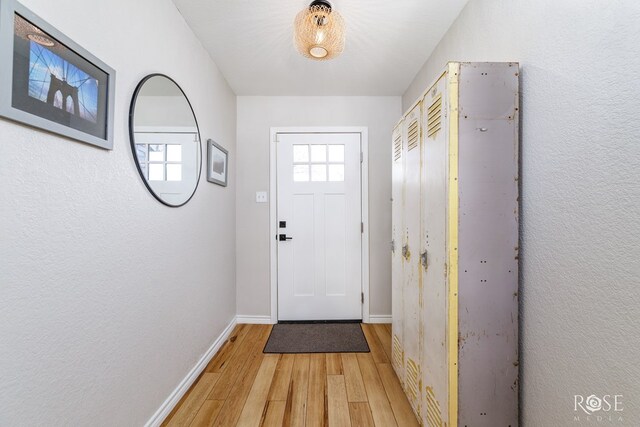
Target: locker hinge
362	297
362	227
361	157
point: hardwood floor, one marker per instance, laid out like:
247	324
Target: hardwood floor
241	386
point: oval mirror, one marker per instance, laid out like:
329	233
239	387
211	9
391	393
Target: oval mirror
165	140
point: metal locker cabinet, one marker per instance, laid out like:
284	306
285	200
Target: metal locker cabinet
488	244
468	243
412	284
397	230
434	200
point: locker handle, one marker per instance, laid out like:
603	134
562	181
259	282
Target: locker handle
423	259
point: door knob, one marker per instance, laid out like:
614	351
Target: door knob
283	237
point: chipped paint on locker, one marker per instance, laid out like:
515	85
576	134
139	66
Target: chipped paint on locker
467	259
411	267
397	202
433	242
452	241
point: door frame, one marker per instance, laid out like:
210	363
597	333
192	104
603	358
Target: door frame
364	207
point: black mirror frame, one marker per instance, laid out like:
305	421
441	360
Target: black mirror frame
132	110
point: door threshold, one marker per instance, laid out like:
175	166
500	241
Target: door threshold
320	321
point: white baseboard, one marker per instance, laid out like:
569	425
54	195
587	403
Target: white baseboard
173	399
256	320
376	318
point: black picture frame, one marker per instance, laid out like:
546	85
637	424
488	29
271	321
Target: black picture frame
49	82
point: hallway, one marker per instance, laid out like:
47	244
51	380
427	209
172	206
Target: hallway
245	387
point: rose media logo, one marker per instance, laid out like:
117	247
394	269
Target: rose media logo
592	408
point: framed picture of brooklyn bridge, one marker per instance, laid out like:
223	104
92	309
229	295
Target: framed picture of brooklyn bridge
50	82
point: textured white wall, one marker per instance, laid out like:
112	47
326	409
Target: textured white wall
580	288
107	297
256	115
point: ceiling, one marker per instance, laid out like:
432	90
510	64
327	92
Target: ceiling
387	42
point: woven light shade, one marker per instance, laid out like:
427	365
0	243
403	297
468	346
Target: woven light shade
319	31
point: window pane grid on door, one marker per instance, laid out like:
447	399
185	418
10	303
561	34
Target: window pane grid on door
160	162
318	162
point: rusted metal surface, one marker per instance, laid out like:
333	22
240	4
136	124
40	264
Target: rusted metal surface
462	337
412	129
434	243
397	226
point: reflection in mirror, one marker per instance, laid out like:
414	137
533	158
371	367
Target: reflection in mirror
165	140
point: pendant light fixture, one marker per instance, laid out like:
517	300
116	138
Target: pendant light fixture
319	31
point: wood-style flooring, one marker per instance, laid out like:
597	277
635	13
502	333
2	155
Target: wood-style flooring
241	386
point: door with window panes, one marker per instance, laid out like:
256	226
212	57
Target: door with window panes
319	226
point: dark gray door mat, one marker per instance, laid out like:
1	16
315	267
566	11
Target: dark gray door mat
316	338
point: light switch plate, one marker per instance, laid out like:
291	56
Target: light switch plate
261	197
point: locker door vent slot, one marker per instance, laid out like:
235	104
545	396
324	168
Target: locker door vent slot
434	117
413	381
397	353
397	147
434	414
414	135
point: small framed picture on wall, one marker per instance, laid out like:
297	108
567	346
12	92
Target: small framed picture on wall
217	163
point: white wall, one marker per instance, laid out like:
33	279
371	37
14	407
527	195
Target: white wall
580	268
160	110
256	115
107	297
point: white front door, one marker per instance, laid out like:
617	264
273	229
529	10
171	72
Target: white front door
319	226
